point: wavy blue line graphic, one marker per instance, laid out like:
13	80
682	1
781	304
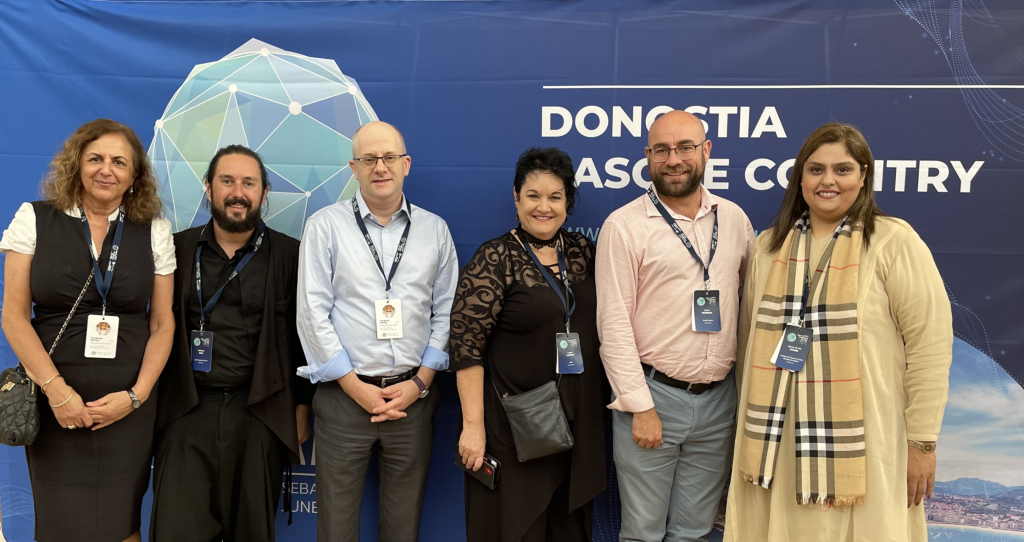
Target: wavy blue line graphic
1000	122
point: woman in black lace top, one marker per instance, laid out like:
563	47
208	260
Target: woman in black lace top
503	326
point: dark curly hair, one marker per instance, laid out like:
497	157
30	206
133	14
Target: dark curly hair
211	172
548	160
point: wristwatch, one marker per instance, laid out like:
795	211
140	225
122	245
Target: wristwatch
135	400
424	390
926	447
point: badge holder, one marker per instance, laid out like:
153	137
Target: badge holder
389	318
101	336
706	312
793	348
569	353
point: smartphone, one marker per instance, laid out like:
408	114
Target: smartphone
488	473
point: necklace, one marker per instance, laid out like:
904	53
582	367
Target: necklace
539	243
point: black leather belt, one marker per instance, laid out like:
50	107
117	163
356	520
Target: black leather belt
385	381
659	376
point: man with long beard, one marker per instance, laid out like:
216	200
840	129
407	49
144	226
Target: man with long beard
231	413
670	267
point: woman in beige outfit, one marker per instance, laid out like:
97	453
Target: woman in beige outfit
870	399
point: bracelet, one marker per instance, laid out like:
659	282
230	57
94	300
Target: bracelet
50	380
72	394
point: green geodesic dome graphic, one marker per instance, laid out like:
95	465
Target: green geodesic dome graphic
298	112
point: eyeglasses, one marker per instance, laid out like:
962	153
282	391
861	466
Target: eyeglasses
684	152
371	161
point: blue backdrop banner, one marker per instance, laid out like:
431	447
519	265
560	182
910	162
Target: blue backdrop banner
936	87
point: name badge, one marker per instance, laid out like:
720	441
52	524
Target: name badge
389	318
569	353
101	337
202	351
707	311
794	346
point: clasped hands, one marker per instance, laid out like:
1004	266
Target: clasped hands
76	413
383	403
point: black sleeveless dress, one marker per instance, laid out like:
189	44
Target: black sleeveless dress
88	485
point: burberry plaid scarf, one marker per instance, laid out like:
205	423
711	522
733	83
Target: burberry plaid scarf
829	417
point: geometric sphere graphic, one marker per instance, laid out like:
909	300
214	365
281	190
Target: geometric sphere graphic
297	112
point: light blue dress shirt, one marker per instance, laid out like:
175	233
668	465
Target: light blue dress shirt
339	282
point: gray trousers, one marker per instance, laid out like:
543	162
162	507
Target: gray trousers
671	493
345	438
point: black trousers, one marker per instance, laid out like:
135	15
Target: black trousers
217	474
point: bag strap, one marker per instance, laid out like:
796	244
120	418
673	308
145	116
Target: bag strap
558	382
21	367
72	313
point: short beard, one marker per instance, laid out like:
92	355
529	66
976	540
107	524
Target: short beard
223	219
691	186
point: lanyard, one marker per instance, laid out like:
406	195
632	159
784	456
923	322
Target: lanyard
103	281
551	281
686	242
238	269
807	275
373	250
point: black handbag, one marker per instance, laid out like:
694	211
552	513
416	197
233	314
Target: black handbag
19	413
538	422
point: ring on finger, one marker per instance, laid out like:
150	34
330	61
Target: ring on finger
71	426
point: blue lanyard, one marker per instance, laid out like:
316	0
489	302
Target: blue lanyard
686	242
238	269
373	249
103	281
551	281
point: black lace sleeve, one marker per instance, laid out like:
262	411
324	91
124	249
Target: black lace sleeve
579	256
482	286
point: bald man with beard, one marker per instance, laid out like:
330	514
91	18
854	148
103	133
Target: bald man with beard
670	266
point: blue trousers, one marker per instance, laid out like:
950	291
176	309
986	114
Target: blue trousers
671	493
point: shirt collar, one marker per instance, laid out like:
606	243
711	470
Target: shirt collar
77	214
365	213
708	203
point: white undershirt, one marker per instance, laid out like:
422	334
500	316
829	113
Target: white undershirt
20	237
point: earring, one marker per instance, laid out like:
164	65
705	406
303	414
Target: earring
131	189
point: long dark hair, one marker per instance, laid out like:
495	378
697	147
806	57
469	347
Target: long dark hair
793	207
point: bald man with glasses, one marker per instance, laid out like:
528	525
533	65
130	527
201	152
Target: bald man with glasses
377	277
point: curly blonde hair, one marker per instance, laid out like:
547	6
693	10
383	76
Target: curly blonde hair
62	186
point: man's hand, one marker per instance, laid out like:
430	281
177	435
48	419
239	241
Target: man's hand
302	422
920	475
647	429
398	397
365	395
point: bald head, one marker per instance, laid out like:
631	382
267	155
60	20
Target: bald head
674	127
377	132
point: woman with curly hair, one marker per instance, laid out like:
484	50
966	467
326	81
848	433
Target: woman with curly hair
96	244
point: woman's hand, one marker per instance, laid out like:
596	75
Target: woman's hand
71	414
110	409
920	475
472	445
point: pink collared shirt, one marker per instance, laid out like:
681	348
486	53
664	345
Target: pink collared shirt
645	284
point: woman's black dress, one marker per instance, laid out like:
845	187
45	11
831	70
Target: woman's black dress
88	485
505	317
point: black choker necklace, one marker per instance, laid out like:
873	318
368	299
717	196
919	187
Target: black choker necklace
539	243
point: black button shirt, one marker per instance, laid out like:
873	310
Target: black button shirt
237	317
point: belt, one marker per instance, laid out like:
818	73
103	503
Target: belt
385	381
693	388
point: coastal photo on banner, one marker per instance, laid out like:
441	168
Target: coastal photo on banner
936	87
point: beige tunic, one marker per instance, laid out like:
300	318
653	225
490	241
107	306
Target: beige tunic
906	340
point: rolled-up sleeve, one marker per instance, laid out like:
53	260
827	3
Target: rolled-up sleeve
326	357
616	274
445	282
